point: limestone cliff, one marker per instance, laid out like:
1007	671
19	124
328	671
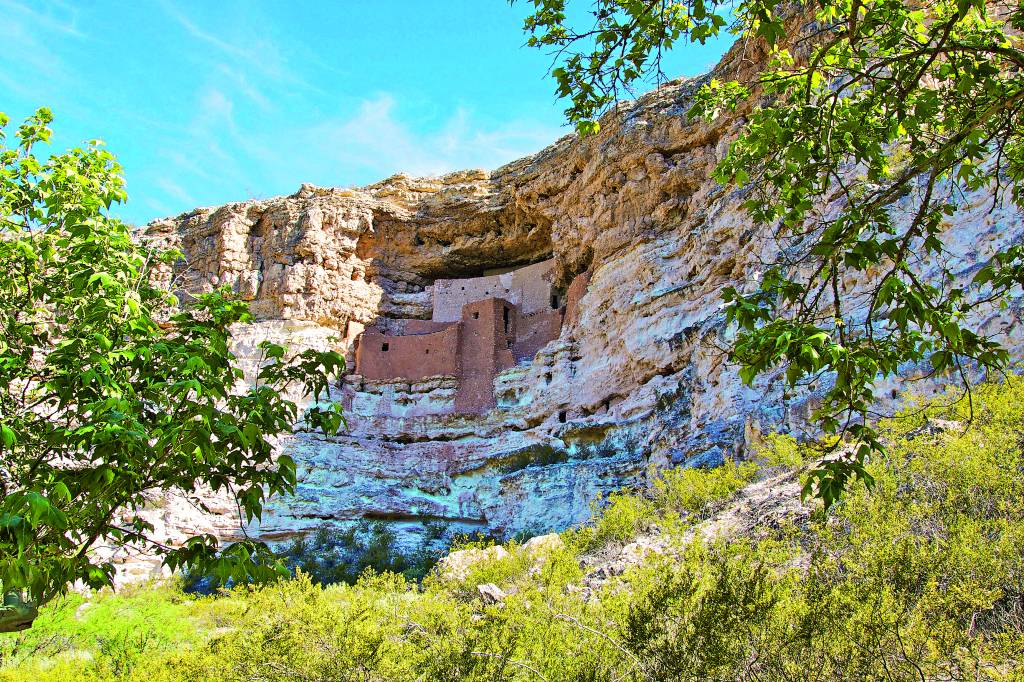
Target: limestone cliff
636	378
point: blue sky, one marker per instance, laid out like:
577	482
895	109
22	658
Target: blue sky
217	101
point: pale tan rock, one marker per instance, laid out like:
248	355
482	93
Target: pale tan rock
491	593
542	545
637	379
457	565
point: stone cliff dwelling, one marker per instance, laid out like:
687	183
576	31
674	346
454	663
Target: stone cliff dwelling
480	326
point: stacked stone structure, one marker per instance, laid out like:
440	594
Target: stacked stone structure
480	327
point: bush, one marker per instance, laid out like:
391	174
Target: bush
333	554
692	492
617	520
103	636
780	450
921	579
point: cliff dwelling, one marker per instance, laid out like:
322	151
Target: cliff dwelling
479	327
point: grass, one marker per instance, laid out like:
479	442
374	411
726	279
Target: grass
921	579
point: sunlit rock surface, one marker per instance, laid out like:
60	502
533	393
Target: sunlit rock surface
637	378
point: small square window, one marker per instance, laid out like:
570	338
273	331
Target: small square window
384	347
476	316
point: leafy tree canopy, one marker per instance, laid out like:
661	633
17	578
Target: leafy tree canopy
111	393
862	103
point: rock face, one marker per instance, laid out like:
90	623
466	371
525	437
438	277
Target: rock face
635	378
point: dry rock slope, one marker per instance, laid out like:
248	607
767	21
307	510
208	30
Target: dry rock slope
635	380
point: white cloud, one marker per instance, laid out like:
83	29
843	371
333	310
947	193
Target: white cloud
221	159
52	15
28	34
175	191
215	107
375	138
252	53
244	85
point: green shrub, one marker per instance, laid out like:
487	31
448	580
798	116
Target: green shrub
780	450
332	554
104	636
692	492
617	520
923	578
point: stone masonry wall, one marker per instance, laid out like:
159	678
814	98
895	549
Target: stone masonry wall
411	349
534	331
403	327
574	295
384	357
485	350
528	287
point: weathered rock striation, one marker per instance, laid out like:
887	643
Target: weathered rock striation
639	236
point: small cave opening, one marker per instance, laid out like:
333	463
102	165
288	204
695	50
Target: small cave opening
547	378
562	417
554	301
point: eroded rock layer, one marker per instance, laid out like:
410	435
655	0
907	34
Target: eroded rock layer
636	377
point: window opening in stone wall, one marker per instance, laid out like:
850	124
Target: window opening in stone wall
427	352
547	378
554	301
476	316
509	343
504	316
384	347
562	417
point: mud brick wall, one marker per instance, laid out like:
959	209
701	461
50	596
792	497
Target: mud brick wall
381	357
528	288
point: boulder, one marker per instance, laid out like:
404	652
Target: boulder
458	564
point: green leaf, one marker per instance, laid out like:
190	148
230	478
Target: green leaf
7	436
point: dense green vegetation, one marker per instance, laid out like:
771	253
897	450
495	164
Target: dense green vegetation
922	578
333	554
866	125
112	391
